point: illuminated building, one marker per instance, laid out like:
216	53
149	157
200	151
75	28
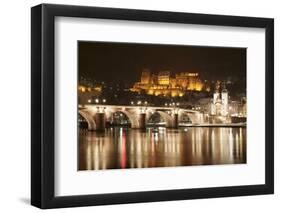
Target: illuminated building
189	81
86	93
164	78
145	76
224	100
219	105
164	84
84	89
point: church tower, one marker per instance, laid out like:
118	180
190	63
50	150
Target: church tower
216	93
224	100
216	99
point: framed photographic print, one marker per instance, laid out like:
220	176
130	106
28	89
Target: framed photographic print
139	106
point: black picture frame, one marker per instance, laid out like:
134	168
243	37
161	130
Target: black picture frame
43	102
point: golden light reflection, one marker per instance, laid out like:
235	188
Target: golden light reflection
119	148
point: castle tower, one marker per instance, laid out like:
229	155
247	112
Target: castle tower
145	76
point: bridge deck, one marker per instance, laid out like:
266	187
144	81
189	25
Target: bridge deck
136	107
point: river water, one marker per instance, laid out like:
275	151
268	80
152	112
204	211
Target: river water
121	148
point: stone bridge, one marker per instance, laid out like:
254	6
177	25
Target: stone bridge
97	115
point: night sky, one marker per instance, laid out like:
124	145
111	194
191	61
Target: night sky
115	62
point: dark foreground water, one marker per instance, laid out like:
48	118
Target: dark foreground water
120	148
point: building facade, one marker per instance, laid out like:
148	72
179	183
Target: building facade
219	105
165	84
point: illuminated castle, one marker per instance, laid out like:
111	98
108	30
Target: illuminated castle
164	84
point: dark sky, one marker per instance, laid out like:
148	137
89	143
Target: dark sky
114	62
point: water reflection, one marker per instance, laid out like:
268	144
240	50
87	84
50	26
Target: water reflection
120	148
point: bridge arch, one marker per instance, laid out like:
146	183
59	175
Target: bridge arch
194	117
89	118
168	119
131	116
185	118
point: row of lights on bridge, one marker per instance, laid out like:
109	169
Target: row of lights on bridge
97	101
139	103
145	103
172	104
196	108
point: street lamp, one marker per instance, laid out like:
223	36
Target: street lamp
97	100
